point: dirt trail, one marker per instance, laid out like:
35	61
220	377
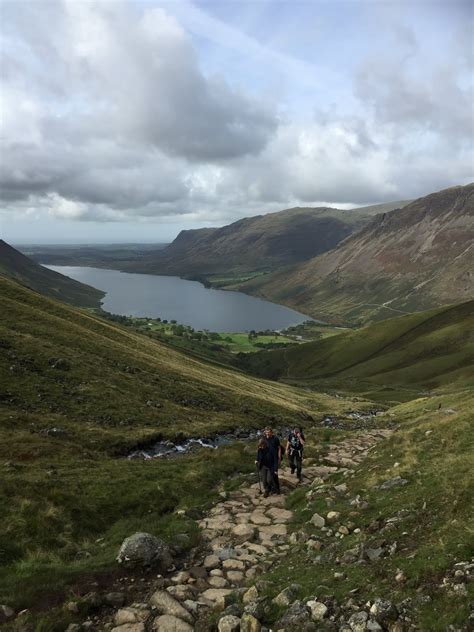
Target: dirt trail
244	534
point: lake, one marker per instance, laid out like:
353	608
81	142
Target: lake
187	302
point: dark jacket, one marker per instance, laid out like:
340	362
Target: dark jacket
263	458
274	448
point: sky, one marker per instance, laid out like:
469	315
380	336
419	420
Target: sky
130	121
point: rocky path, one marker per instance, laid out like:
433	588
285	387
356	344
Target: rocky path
244	535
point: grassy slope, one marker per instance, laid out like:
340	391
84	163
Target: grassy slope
427	350
72	493
434	450
47	282
404	261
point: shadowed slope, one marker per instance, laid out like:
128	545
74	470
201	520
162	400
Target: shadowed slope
20	268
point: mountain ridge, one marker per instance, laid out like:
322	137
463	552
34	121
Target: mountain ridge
402	261
20	268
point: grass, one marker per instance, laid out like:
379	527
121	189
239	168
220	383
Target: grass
434	450
68	495
392	360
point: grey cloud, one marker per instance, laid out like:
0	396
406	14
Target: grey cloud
98	75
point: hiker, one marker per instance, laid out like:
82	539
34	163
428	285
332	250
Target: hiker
263	463
294	450
275	452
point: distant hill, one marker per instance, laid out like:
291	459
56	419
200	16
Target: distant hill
427	350
264	242
407	260
17	266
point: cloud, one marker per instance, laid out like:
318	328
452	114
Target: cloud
108	115
117	87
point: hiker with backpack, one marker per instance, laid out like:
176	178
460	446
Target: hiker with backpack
294	450
275	454
264	465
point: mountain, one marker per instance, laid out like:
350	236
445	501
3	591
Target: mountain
389	359
17	266
264	242
406	260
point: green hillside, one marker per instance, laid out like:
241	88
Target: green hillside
18	267
77	393
423	351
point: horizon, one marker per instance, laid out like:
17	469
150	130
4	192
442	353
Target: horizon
223	111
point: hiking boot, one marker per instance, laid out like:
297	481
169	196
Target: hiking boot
292	470
266	493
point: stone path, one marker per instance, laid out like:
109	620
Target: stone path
244	534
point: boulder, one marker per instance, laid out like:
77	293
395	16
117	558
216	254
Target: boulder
168	623
249	623
166	604
297	617
250	595
318	520
287	595
384	611
358	621
229	623
144	549
318	610
129	627
333	516
211	561
243	532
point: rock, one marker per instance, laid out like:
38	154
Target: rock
333	516
128	627
318	610
166	604
318	520
398	481
229	623
384	611
296	617
125	615
341	489
233	565
235	577
217	582
313	545
168	623
373	626
211	562
144	549
280	515
287	595
198	572
250	595
358	621
219	597
373	554
73	627
400	577
243	533
115	599
343	530
248	623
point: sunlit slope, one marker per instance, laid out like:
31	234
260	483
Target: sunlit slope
427	349
120	381
16	266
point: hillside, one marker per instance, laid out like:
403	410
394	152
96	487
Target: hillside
395	358
406	260
264	242
77	394
21	268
